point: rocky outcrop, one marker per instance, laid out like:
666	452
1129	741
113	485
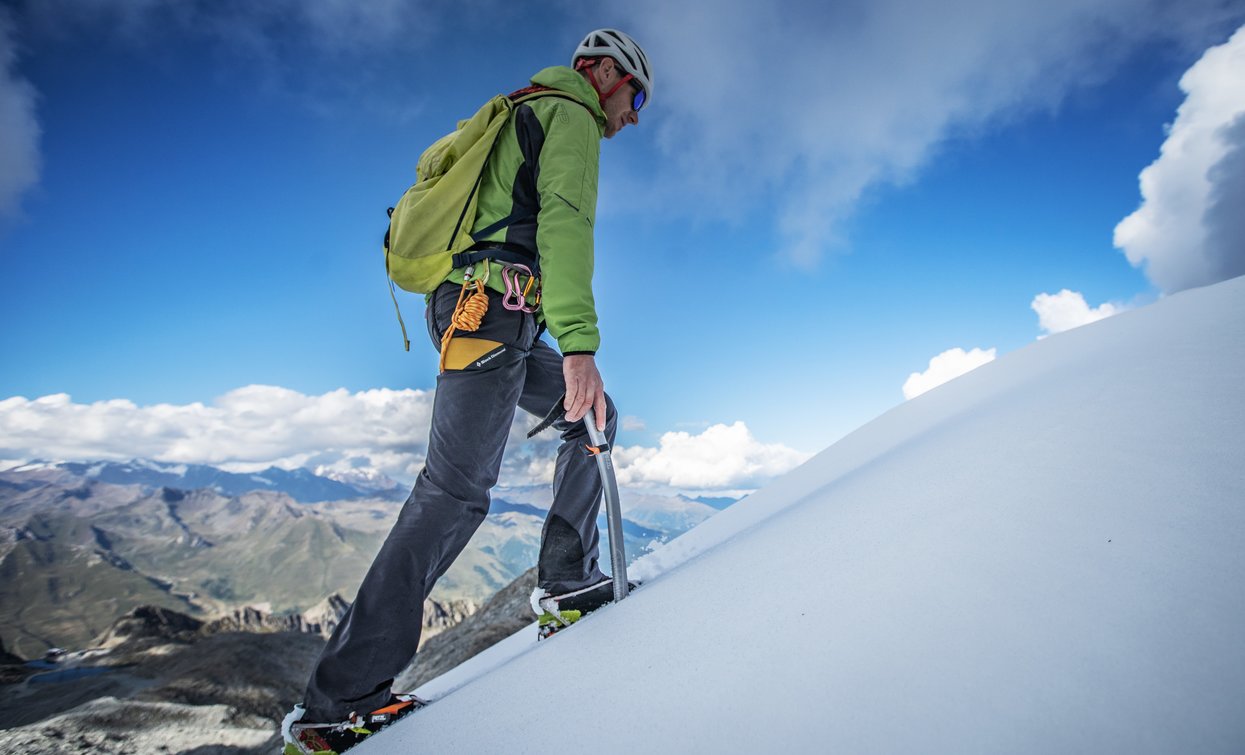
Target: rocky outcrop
325	616
252	619
158	662
12	668
440	616
109	726
150	623
7	658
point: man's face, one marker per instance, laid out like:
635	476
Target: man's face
618	110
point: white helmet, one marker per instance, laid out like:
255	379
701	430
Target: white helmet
622	48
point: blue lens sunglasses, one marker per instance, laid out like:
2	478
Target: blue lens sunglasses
637	102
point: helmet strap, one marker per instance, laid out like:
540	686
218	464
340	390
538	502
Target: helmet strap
586	65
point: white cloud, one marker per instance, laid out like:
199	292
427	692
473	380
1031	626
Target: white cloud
723	457
1190	228
804	106
1067	310
349	435
19	129
246	429
1056	313
945	367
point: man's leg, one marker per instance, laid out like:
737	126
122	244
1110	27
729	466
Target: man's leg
471	417
569	547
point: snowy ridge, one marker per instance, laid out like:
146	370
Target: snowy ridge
1041	556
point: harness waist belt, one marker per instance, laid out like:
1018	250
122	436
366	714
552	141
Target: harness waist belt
500	251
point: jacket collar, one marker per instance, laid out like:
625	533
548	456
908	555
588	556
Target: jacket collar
567	81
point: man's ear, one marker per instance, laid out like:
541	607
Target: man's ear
606	66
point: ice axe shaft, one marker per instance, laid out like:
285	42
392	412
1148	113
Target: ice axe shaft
599	447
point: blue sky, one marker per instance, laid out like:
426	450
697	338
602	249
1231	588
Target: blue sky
819	201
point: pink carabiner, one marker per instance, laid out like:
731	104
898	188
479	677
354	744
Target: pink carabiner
514	300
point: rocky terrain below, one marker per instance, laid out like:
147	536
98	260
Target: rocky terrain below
221	597
159	681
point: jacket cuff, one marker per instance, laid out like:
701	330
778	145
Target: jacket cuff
578	353
579	341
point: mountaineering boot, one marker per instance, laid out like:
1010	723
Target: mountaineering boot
557	612
310	738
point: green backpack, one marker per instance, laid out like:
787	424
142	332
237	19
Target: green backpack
432	221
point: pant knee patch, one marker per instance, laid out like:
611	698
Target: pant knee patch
561	551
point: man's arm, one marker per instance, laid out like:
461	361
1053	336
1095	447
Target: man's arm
567	183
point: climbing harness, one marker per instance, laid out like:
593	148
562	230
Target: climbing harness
470	310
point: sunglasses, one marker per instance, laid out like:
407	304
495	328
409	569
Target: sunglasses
637	101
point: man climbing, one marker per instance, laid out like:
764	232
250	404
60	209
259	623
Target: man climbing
530	270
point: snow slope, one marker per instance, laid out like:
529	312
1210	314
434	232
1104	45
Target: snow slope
1045	555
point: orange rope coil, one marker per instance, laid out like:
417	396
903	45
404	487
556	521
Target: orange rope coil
468	314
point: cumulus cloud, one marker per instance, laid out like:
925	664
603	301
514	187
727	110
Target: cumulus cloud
720	458
244	430
945	367
1056	313
1223	219
349	436
19	129
1190	230
1067	310
802	107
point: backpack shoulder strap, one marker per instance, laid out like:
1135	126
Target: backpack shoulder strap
536	91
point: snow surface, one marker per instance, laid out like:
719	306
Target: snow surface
1045	555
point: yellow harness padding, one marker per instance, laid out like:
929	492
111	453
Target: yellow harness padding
463	351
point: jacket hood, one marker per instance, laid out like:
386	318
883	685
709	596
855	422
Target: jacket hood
565	79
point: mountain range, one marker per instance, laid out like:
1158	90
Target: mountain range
302	485
83	543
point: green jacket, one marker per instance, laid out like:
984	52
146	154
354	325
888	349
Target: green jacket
544	165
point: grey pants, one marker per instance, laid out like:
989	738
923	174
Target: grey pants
471	419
